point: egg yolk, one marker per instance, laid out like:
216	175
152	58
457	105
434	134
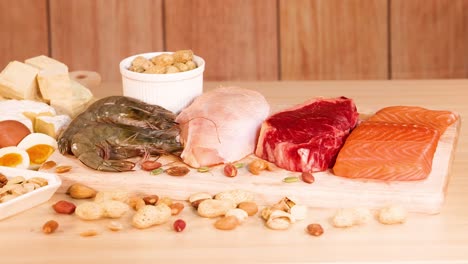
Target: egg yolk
11	160
38	154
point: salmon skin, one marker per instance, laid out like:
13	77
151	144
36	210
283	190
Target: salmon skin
396	144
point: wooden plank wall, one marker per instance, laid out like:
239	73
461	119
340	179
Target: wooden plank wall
429	39
333	39
248	40
22	38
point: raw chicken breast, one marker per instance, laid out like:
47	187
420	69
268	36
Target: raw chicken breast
221	126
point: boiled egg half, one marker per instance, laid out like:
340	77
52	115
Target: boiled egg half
39	148
14	157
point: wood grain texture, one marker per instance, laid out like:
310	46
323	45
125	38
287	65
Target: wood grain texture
429	39
422	239
97	35
333	39
237	38
23	30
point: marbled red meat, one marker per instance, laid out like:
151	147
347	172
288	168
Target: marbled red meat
307	137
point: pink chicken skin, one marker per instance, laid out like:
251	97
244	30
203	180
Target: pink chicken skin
221	126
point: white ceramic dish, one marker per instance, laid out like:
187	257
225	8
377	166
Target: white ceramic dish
172	91
31	199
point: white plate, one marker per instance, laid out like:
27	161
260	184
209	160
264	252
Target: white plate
31	199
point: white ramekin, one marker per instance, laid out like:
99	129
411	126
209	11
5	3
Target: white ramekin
173	91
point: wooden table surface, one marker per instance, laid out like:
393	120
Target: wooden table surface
441	238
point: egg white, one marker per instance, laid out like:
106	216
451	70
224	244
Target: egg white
24	162
34	139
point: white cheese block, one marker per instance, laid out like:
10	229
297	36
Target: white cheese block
54	84
77	103
18	81
43	62
25	109
51	125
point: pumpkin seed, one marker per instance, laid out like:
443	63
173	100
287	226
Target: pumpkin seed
239	165
291	179
157	171
203	169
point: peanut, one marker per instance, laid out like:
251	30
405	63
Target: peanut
237	196
163	59
351	216
227	223
89	211
114	226
392	215
165	200
315	229
240	214
176	208
196	198
230	170
307	177
179	225
150	215
213	208
64	207
117	195
136	203
49	227
114	209
151	199
250	208
183	56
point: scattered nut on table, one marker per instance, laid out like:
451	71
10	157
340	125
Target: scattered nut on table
213	208
237	196
81	191
150	215
392	214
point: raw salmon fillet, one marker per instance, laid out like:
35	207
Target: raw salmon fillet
221	126
387	151
415	115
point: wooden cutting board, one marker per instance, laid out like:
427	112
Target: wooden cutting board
328	191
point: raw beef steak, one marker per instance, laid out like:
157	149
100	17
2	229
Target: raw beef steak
307	137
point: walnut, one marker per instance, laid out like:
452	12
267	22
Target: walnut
3	180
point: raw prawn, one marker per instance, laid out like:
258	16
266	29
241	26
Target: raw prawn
116	128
